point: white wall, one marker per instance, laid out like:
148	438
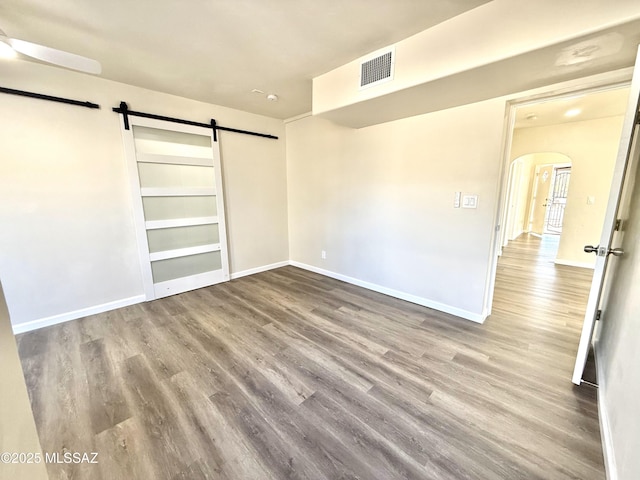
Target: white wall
592	147
379	201
67	239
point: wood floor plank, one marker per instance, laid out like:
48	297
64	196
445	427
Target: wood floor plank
62	394
126	443
289	374
107	404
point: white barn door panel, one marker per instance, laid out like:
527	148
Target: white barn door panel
176	184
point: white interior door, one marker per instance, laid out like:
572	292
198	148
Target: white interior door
613	228
515	179
178	204
544	174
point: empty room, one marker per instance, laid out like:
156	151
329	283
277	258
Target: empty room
376	240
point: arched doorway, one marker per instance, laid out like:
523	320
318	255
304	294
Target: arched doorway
538	191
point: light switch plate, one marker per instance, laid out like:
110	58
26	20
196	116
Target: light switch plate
456	200
470	201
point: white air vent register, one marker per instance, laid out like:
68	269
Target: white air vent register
378	69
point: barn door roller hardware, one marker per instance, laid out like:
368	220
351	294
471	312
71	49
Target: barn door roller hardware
126	113
50	98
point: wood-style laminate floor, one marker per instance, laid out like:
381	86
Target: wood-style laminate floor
288	374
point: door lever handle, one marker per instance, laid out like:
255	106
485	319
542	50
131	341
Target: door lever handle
616	252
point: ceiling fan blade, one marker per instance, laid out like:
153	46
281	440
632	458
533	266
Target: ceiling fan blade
57	57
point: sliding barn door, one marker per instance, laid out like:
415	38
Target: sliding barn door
178	204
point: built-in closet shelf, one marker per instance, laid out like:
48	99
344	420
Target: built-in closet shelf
184	252
173	159
176	191
180	222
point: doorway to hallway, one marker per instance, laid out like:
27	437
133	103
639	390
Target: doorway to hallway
570	164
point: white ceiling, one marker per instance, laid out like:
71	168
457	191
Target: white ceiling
218	51
592	106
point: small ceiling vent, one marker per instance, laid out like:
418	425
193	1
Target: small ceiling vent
377	70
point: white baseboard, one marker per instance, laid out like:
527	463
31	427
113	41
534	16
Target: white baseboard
605	427
84	312
571	263
125	302
458	312
65	317
264	268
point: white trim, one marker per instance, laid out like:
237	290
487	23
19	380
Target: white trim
458	312
173	159
171	126
604	82
499	233
179	222
183	252
184	284
83	312
518	233
610	466
220	205
125	302
177	191
167	288
298	117
263	268
573	263
138	209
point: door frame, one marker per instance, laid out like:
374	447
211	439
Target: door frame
595	84
137	205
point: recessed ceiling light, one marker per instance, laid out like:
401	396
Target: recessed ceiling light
256	90
531	116
272	98
572	112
